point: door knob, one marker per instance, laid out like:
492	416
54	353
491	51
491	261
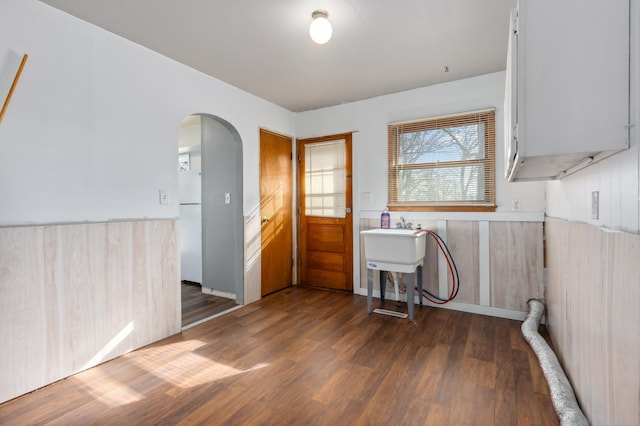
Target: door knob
347	210
265	219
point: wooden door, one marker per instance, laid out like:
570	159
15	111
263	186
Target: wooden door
276	183
326	224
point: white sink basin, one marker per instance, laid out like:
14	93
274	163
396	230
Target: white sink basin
399	250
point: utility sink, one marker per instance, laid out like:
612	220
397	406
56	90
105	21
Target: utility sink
397	250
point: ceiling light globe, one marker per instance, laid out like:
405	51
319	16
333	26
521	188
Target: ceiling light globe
320	29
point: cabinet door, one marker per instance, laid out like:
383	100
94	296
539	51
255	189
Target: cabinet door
573	59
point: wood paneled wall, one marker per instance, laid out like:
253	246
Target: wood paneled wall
73	296
252	259
593	304
500	264
516	264
463	242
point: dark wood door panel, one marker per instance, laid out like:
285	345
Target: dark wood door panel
325	279
326	261
326	237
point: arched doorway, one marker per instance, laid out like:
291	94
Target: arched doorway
222	218
211	213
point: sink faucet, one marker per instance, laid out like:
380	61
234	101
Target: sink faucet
403	224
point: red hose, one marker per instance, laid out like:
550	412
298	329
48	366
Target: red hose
453	278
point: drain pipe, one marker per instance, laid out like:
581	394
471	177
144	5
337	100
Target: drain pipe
562	396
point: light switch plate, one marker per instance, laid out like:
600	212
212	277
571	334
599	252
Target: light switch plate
164	197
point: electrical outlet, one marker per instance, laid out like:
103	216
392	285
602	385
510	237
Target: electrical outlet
516	205
595	205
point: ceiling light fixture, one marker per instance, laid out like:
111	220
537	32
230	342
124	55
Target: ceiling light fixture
320	29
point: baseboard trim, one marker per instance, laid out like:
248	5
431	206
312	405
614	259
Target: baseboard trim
213	292
457	306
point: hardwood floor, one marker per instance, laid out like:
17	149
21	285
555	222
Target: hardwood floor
305	356
197	305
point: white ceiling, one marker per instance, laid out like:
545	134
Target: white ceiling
263	47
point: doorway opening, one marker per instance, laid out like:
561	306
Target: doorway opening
211	215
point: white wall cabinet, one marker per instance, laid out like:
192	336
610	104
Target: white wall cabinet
567	86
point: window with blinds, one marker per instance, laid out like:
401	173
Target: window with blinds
443	164
324	179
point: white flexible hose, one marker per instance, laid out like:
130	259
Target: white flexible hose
562	396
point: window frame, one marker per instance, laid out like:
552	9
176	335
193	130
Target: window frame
488	204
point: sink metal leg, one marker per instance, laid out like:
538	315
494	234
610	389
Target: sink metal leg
410	283
419	272
369	289
413	279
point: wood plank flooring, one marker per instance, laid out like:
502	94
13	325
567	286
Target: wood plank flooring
305	356
197	305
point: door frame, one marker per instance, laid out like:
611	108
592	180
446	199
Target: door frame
298	201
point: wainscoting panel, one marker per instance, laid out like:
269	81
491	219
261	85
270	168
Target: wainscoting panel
430	275
22	364
462	239
593	304
516	264
252	252
73	296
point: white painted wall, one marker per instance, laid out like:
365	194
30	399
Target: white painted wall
370	117
92	130
618	178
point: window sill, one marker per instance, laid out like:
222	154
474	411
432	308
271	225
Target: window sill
417	217
442	208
